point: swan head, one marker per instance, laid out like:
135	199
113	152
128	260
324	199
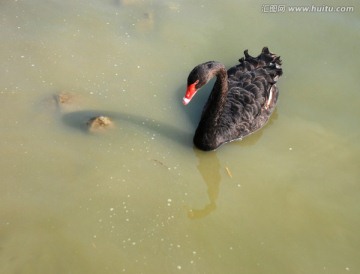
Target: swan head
198	77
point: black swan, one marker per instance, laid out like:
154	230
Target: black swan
241	101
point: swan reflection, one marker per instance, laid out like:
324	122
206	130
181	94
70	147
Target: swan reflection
209	168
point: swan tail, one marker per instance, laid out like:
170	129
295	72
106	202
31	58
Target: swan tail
266	60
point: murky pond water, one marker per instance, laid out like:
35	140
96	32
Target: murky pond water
138	198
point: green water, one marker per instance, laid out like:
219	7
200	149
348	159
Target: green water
139	198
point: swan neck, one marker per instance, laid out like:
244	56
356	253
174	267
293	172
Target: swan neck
219	91
217	98
221	84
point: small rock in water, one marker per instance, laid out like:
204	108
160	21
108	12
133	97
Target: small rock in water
99	123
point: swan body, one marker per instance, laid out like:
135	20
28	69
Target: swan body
241	101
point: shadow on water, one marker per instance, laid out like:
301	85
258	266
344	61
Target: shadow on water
78	120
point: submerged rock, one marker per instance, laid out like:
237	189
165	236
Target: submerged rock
146	22
99	123
59	102
65	101
128	2
63	98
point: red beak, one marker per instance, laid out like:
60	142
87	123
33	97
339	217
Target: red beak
190	92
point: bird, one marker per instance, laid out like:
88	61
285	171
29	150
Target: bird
241	101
